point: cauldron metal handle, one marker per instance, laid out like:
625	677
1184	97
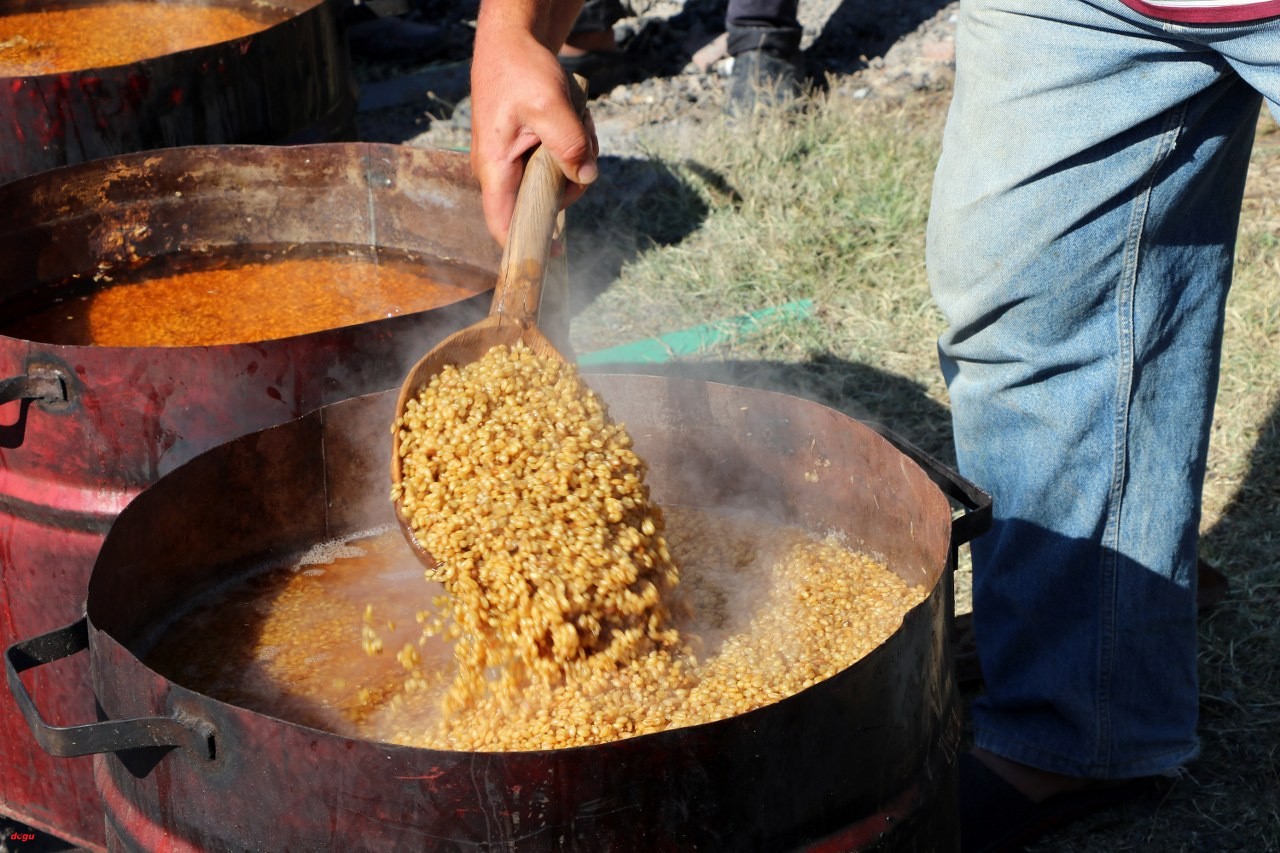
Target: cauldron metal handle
90	738
46	387
976	519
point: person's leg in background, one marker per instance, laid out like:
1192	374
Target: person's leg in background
392	31
592	48
1080	246
764	41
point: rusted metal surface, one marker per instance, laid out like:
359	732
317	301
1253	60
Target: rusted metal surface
864	760
70	461
289	83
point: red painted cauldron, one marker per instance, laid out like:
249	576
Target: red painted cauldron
85	428
288	83
864	760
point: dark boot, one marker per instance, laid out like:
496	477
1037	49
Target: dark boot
397	39
766	68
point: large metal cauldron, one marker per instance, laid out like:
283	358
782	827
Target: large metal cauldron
289	83
863	760
84	429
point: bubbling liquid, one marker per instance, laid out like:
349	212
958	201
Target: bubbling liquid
773	610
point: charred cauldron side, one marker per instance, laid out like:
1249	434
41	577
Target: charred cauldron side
86	428
864	760
289	83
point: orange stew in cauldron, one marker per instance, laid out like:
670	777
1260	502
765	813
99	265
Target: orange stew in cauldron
190	300
63	40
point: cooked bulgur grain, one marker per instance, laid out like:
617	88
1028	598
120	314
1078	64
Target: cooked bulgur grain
773	610
562	592
534	507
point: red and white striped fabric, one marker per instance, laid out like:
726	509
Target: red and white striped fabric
1206	11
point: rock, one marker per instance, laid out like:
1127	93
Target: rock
939	51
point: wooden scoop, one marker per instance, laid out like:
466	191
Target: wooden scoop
517	296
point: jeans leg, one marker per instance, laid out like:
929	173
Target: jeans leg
1080	246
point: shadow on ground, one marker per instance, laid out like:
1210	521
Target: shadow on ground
636	205
859	31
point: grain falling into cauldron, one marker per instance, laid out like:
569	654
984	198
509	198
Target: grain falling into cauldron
534	506
109	34
563	598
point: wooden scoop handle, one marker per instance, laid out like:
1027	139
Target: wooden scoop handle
518	293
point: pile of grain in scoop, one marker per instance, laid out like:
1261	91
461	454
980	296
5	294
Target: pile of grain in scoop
534	507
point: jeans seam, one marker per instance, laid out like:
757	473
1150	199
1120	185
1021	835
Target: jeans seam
1125	333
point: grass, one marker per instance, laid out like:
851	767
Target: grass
833	210
831	205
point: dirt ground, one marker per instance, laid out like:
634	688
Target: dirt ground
677	69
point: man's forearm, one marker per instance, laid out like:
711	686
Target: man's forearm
520	98
549	21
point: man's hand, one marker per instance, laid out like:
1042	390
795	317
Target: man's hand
520	98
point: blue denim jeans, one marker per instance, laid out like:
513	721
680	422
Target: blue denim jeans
1080	246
